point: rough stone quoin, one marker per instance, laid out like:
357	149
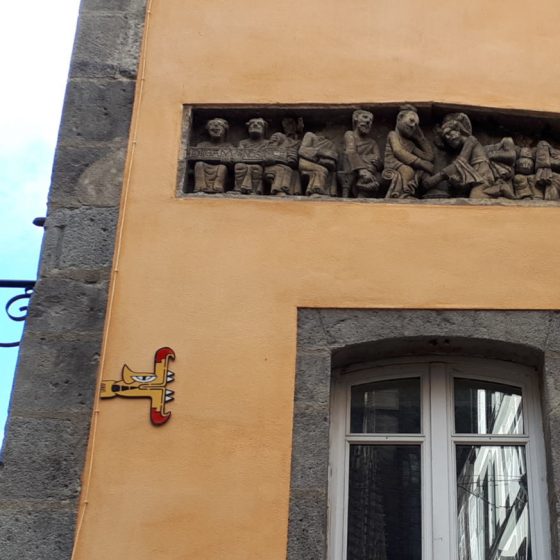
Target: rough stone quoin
50	413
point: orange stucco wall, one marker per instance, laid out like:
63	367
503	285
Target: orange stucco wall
220	281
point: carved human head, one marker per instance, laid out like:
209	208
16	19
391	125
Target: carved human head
362	121
217	128
408	121
277	139
455	128
292	127
256	127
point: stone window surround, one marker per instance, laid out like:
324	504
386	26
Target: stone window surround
334	338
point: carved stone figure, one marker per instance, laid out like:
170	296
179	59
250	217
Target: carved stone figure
292	162
249	176
547	170
502	156
211	177
361	162
408	155
318	159
470	170
293	129
283	179
524	180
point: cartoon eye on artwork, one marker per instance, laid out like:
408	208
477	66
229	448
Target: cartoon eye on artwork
151	385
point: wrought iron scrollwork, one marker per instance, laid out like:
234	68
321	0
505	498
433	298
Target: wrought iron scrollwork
17	306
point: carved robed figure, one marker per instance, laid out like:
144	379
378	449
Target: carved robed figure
408	155
361	161
283	178
249	176
469	171
211	178
317	161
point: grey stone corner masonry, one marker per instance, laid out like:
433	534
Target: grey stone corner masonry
51	406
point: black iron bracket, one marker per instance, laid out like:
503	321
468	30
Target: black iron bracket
17	306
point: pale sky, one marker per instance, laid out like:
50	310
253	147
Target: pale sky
36	39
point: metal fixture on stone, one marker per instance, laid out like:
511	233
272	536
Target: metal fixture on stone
17	306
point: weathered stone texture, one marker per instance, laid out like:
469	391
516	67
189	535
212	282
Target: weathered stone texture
61	306
46	464
101	111
51	408
310	463
76	165
100	184
131	7
64	366
106	45
38	533
347	336
314	386
309	512
82	239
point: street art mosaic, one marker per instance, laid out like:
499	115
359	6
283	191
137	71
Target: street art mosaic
151	385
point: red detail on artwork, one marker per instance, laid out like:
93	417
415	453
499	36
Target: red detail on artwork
163	353
158	418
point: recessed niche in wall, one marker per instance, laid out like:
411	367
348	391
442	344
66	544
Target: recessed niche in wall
392	151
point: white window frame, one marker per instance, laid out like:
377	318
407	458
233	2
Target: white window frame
437	441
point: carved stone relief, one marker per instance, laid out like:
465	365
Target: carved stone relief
211	177
431	151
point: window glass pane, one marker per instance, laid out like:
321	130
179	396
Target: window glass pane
384	503
390	407
487	408
492	503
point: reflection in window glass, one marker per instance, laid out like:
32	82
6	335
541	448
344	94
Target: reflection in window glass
487	408
389	407
492	503
384	503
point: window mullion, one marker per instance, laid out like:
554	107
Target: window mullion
402	439
338	473
441	467
484	439
427	513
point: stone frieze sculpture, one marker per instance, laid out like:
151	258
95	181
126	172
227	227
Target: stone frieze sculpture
330	163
